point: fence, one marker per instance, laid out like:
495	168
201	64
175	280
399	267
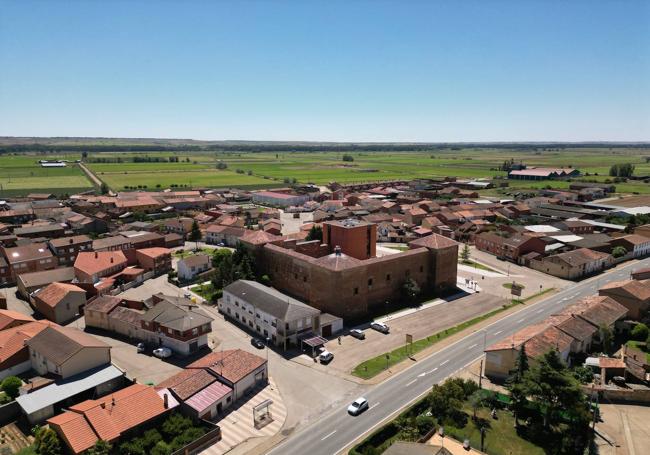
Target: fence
211	437
9	412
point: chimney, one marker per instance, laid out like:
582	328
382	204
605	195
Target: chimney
96	255
166	401
337	250
71	240
111	259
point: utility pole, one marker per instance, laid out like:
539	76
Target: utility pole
480	377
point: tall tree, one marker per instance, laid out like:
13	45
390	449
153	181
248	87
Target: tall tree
195	233
46	442
516	384
465	253
315	233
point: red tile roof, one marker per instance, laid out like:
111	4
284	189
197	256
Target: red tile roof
233	365
9	317
52	294
93	263
154	252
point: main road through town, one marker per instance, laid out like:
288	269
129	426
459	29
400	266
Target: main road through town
336	430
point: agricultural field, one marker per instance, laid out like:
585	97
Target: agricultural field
21	174
251	170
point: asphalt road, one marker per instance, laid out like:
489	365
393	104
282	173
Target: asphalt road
336	430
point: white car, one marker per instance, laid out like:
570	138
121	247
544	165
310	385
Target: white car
358	334
358	406
162	353
380	327
326	357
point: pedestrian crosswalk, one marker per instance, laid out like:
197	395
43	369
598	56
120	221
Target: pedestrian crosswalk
237	426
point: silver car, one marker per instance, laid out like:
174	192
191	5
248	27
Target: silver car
358	406
380	327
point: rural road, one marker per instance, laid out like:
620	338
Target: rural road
337	430
96	181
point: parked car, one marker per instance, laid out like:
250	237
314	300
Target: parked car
259	344
358	406
141	347
359	334
162	353
326	357
380	327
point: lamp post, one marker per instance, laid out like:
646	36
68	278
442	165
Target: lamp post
268	340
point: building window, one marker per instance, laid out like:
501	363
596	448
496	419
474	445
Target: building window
356	291
369	281
195	331
388	277
421	268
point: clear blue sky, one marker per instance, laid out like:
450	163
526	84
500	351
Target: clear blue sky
327	70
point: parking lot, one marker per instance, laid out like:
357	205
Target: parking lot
420	324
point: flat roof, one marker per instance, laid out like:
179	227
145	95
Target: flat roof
67	388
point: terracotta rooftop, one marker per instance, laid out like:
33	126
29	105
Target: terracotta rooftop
9	317
259	237
154	252
107	418
632	288
232	365
518	338
103	304
12	340
597	310
433	241
28	252
93	263
188	382
55	292
65	241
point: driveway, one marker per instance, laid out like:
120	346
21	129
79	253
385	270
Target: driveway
151	287
14	303
624	429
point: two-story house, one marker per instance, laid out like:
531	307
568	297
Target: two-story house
33	257
90	267
66	249
190	267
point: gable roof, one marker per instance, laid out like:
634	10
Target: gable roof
232	365
270	301
434	241
629	288
92	263
12	340
52	294
8	317
176	316
188	382
58	344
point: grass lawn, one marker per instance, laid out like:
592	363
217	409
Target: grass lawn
509	285
204	290
397	247
500	438
371	367
23	174
477	265
4	398
182	254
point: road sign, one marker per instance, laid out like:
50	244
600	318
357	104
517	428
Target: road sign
409	338
515	289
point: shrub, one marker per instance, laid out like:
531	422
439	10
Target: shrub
639	332
11	386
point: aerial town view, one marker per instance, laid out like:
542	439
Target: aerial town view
324	228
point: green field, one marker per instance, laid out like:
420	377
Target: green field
22	174
268	169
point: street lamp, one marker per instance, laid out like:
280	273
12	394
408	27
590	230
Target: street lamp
268	340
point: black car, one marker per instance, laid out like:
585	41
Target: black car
259	344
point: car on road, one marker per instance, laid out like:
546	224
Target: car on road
162	353
141	347
358	406
325	357
359	334
259	344
380	327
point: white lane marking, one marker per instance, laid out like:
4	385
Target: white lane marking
473	346
496	333
408	384
565	299
432	371
325	437
540	310
444	362
521	320
421	375
373	406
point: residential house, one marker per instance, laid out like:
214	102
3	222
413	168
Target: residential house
30	282
33	257
216	234
5	272
273	315
90	267
14	354
60	302
157	260
240	370
10	319
637	245
65	351
181	226
573	265
190	267
490	243
112	417
66	249
42	230
632	294
518	245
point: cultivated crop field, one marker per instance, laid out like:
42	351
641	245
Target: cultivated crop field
20	174
250	170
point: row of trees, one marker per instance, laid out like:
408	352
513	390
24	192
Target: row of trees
230	267
621	170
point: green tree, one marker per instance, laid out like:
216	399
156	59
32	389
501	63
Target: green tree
100	448
315	233
348	158
195	233
11	386
465	253
103	188
47	442
516	385
221	165
619	251
218	256
477	400
161	448
640	332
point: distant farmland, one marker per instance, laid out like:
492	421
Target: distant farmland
251	170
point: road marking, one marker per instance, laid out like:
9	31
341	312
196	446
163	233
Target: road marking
444	362
421	375
411	382
540	310
521	320
325	437
432	371
373	406
473	346
496	333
